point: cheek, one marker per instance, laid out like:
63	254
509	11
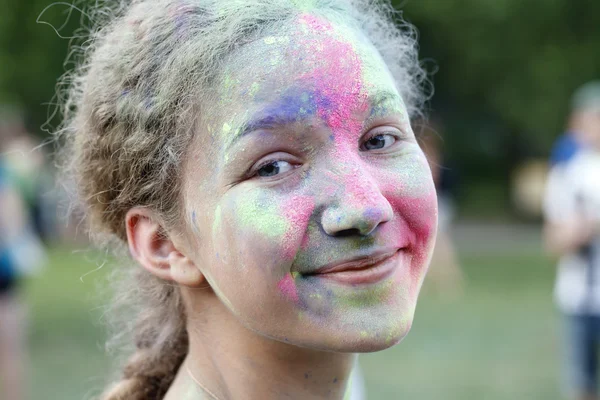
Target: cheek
259	224
247	225
410	190
256	236
409	177
297	211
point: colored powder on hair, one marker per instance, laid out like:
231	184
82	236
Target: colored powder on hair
277	40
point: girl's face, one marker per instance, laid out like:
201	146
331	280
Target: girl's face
312	207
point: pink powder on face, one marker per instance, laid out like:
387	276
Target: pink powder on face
420	213
420	216
297	211
349	178
287	287
337	75
305	242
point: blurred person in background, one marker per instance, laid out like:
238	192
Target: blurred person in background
445	272
21	253
34	179
577	135
572	232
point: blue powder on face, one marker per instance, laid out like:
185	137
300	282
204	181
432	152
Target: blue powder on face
194	223
294	105
325	103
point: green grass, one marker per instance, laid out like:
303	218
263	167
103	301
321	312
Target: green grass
66	336
498	341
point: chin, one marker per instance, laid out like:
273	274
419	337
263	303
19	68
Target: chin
380	340
345	339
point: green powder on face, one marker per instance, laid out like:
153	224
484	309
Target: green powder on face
262	217
254	88
365	298
217	221
400	327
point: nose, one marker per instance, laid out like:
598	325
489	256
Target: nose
357	207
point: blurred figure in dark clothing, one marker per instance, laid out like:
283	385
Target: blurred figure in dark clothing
12	311
20	254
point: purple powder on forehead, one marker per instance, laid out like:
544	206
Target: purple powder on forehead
293	106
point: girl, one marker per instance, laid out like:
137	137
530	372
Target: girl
256	158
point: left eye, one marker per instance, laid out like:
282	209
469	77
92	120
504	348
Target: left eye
273	168
379	142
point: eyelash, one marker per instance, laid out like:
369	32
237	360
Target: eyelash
394	135
269	162
253	173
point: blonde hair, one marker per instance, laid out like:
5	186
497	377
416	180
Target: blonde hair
141	78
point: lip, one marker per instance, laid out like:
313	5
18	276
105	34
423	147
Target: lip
361	270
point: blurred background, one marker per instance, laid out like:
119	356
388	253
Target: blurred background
486	327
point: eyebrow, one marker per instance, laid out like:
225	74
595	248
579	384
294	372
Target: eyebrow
381	98
289	112
385	96
269	122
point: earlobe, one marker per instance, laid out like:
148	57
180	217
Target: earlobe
155	251
184	271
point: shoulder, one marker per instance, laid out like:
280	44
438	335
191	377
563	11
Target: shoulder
564	149
585	162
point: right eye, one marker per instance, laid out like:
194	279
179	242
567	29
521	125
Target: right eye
272	168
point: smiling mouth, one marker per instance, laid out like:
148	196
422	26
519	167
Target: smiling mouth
363	270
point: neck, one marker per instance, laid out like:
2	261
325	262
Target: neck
229	362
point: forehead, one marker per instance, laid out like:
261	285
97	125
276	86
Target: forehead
308	58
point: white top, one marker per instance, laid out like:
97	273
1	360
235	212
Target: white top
573	189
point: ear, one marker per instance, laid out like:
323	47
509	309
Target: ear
152	247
